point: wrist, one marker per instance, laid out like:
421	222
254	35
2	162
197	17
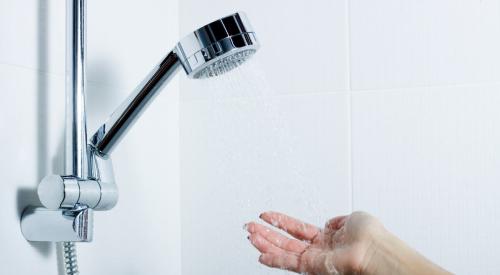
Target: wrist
387	254
382	255
377	255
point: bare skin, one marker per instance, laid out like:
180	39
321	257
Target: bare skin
354	244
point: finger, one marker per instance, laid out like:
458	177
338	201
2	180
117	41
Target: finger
336	223
292	226
263	245
276	238
286	261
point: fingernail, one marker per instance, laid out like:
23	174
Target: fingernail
263	258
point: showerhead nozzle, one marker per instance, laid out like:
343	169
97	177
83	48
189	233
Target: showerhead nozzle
218	47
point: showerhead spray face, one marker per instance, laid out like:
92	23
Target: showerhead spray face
217	47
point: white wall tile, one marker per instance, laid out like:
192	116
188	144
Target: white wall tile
23	131
424	42
304	45
426	162
126	39
244	155
142	233
33	34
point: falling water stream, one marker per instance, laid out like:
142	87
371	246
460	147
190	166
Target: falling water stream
242	112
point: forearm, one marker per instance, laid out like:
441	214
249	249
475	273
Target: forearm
389	255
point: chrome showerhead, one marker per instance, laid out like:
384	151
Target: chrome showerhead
217	47
209	51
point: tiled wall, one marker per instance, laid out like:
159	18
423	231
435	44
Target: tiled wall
391	107
387	106
425	125
273	135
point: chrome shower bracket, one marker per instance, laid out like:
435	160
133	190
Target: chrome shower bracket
42	224
69	204
98	192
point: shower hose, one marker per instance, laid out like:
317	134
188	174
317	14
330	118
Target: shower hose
70	263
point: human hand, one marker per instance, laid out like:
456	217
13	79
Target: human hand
342	247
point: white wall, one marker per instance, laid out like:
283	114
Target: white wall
273	135
386	106
141	235
392	107
425	125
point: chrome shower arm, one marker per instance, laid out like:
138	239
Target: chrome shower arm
122	119
209	51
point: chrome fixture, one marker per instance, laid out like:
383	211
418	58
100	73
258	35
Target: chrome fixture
65	222
88	183
209	51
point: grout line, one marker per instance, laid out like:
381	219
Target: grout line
349	88
179	148
270	96
31	69
53	74
305	92
457	85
